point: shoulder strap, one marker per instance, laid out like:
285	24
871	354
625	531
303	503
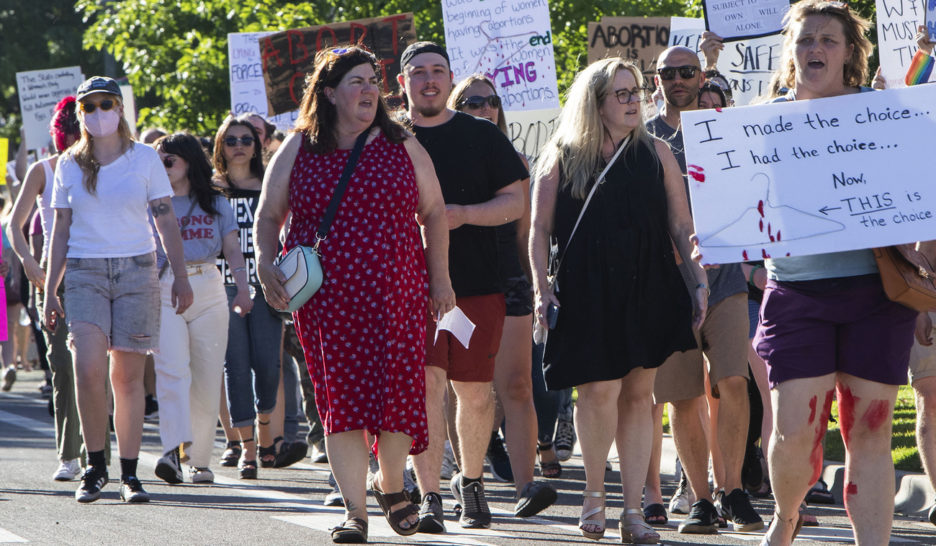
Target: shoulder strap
340	188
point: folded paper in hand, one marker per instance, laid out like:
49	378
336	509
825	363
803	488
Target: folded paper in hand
456	322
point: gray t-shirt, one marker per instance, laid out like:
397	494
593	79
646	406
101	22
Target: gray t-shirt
202	233
728	279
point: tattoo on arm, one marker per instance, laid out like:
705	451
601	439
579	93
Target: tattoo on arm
159	209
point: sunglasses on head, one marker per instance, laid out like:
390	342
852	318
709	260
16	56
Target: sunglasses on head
234	141
476	102
685	72
106	104
168	162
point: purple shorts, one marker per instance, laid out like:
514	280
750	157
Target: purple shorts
846	324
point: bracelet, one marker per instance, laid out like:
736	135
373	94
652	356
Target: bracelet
754	269
703	285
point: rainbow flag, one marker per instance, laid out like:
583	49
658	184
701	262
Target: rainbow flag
920	68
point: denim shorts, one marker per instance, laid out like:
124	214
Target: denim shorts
118	295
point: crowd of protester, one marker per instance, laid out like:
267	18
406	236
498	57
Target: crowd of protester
167	246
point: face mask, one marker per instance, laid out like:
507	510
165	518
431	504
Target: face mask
102	123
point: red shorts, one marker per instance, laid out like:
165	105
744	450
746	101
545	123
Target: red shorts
476	363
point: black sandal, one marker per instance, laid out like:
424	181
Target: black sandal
290	454
351	531
396	517
551	470
232	454
268	454
248	469
655	514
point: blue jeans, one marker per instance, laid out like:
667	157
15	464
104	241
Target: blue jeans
252	360
292	396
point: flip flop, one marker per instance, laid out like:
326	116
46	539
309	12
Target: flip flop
655	514
820	494
351	531
396	517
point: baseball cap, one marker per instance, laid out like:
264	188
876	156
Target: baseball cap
97	84
422	47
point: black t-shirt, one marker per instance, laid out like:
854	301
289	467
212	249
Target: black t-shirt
473	160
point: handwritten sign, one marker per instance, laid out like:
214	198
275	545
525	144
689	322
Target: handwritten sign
930	19
737	19
39	92
511	42
897	22
638	39
528	130
287	57
809	177
248	93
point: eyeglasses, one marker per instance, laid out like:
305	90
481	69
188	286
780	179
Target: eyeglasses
624	96
89	107
685	72
168	162
243	141
476	102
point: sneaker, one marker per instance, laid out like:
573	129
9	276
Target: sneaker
201	475
564	440
333	498
475	512
318	452
680	502
431	516
67	471
92	481
168	468
449	466
702	519
535	497
9	377
410	487
131	490
497	459
290	454
151	410
736	508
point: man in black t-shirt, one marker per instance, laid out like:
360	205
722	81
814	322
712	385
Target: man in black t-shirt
480	175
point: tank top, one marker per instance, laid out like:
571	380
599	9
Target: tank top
44	202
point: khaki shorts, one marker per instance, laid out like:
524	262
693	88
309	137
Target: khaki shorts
724	341
923	359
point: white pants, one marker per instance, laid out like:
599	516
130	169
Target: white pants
190	365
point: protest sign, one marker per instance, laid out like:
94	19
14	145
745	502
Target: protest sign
4	154
248	94
809	177
528	130
39	92
287	57
930	19
510	42
129	104
637	39
737	19
897	22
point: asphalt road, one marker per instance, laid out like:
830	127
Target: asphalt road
285	506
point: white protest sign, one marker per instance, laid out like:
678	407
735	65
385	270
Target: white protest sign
809	177
248	93
129	104
511	42
897	22
39	92
528	130
930	19
736	19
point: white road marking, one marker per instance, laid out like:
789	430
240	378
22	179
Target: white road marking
7	537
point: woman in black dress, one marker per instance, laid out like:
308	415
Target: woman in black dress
624	307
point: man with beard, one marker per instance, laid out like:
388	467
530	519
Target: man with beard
723	341
480	174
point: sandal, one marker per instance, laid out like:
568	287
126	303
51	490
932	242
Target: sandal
248	468
808	519
351	531
588	519
552	469
655	514
820	494
290	454
268	454
396	517
636	531
232	454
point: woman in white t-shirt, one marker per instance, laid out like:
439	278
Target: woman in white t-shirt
105	187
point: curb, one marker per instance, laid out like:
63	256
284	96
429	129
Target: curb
914	496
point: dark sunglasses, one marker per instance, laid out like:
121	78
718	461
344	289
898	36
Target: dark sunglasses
685	72
89	107
476	102
243	141
168	162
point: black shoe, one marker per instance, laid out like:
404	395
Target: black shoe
535	497
498	460
431	517
736	508
92	481
702	519
131	490
151	408
168	467
290	454
333	498
932	514
475	512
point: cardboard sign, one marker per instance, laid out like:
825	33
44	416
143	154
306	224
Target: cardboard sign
930	19
510	42
638	39
245	71
897	22
737	19
39	92
810	177
528	130
287	57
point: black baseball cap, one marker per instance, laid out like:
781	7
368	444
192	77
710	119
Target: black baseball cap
97	84
422	47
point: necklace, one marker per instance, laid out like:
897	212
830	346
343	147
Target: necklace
671	140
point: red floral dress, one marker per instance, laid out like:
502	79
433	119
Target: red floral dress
363	332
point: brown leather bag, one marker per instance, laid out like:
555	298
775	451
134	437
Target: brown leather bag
908	275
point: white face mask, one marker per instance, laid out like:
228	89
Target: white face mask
101	123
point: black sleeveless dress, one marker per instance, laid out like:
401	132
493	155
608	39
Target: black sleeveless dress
623	301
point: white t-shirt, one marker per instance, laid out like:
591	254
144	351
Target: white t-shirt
114	222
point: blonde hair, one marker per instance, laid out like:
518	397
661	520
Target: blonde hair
576	144
83	150
458	94
854	26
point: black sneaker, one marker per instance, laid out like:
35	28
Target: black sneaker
702	519
736	508
168	467
92	481
535	497
498	460
151	408
475	512
431	517
131	490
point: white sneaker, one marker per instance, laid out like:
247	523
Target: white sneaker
681	502
449	468
67	471
201	475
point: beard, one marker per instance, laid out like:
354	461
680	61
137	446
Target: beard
680	102
428	110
